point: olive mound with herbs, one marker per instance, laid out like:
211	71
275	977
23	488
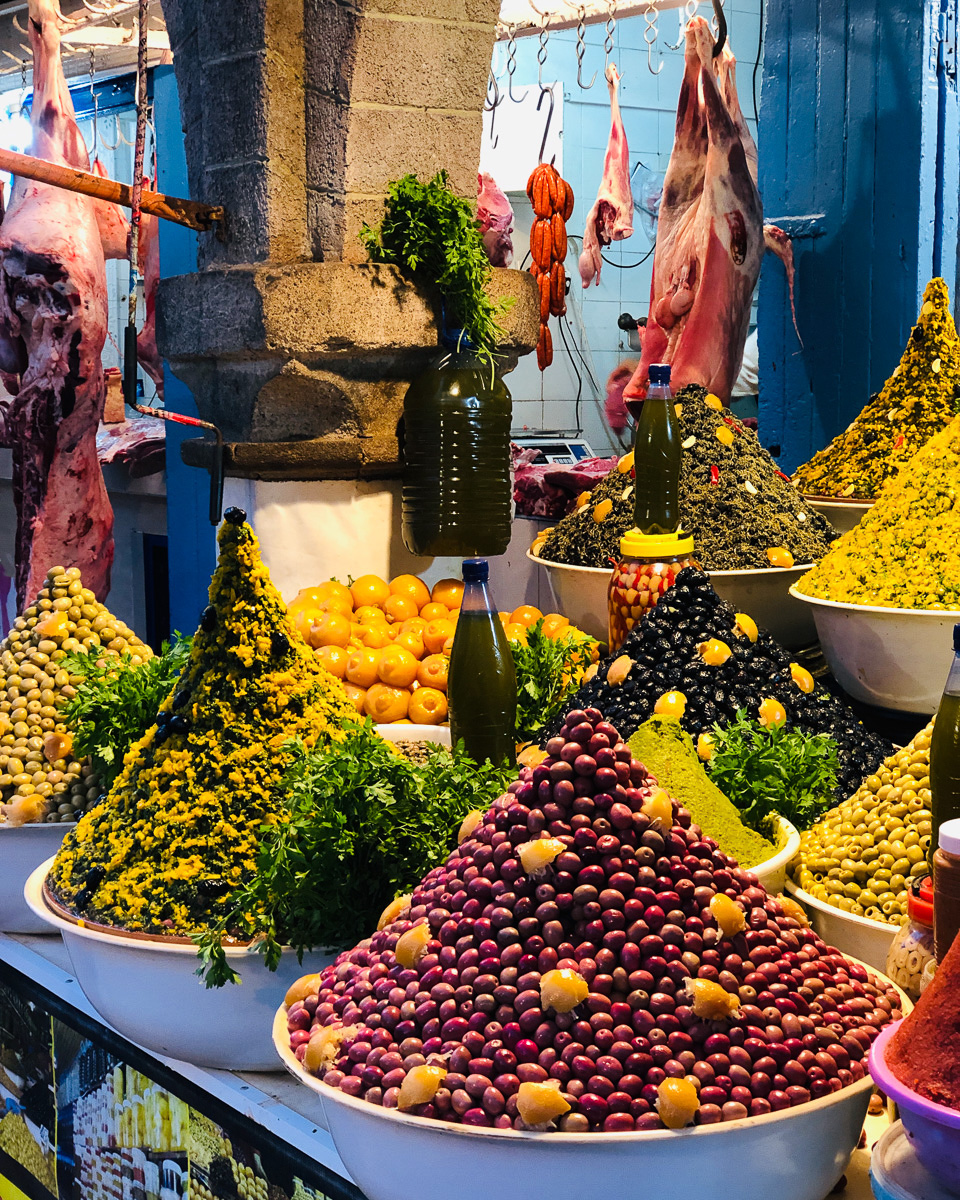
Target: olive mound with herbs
40	778
865	853
735	502
587	960
916	402
179	831
667	652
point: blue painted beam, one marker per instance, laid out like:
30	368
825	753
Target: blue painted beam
191	540
851	141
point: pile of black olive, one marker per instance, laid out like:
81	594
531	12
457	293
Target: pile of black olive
664	650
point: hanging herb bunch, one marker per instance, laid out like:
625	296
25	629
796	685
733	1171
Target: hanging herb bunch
432	234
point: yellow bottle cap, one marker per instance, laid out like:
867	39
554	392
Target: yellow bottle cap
635	544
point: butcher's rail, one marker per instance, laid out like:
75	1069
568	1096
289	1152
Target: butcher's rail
191	213
527	17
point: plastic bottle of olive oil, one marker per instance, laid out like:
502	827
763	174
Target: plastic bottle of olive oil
945	752
482	684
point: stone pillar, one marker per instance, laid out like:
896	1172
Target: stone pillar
297	114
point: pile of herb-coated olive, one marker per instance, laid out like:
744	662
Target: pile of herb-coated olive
863	855
665	653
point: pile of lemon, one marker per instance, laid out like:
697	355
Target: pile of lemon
389	642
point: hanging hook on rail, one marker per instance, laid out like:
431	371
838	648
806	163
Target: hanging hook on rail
610	29
546	91
582	49
721	27
543	38
491	106
512	61
687	13
650	36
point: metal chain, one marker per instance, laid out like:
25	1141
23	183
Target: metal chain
582	49
610	29
542	50
650	36
511	60
96	102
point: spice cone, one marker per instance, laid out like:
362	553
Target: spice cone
917	401
179	830
39	776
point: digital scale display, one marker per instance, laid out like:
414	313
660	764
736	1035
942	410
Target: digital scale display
559	451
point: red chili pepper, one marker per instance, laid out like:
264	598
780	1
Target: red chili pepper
899	442
633	472
784	477
715	475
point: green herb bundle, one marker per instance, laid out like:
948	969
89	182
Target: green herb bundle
432	233
548	672
361	825
117	700
770	769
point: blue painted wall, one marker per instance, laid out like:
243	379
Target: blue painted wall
857	123
191	539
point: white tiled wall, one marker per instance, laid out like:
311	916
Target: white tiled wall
648	103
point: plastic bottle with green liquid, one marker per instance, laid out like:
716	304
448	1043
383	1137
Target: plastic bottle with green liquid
482	683
654	552
945	752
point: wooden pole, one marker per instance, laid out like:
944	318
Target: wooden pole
170	208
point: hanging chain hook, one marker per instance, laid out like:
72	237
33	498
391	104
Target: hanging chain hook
719	27
96	102
687	13
650	36
23	86
543	38
491	106
546	91
610	29
512	62
582	49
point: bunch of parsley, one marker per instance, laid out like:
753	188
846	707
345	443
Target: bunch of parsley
548	672
117	700
770	769
361	825
430	232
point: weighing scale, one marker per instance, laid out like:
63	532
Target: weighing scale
558	449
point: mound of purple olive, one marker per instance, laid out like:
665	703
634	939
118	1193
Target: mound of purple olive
587	960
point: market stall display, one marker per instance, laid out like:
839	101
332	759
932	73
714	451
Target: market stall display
918	400
592	1020
665	665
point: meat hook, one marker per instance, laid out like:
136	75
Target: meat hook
582	49
650	36
546	91
688	12
512	62
492	108
721	27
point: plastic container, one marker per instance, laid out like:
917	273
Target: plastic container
895	658
482	681
912	945
897	1174
648	567
945	751
933	1129
456	448
946	888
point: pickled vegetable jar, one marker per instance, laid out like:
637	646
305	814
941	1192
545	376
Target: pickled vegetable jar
912	947
648	567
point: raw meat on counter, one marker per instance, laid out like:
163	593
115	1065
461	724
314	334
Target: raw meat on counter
710	237
53	323
549	490
611	218
495	218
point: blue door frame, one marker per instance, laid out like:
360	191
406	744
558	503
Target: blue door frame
859	144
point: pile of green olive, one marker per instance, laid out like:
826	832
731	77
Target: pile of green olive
40	778
863	854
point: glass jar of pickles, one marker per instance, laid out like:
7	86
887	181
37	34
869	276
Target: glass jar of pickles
912	947
649	564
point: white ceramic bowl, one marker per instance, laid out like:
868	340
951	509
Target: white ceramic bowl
855	936
416	733
772	874
580	593
842	514
22	849
147	988
896	658
798	1154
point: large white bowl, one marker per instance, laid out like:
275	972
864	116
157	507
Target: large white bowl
896	658
22	849
581	594
855	936
798	1154
416	733
147	988
842	514
772	874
